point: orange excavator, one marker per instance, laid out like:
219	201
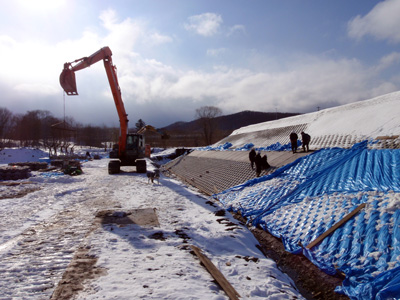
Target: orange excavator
130	149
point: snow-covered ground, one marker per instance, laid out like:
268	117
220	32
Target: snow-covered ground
43	230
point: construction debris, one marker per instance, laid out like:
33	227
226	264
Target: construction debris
14	173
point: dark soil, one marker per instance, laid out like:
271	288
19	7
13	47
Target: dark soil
309	279
81	268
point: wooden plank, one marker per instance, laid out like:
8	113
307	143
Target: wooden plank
336	226
386	137
216	274
216	191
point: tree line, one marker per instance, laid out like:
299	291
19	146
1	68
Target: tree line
39	128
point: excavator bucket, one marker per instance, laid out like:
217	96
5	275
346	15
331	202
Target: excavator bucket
68	82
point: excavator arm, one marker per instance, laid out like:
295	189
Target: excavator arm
68	83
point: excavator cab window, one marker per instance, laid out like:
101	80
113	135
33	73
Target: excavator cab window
141	141
131	142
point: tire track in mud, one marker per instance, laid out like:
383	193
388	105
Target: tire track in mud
34	262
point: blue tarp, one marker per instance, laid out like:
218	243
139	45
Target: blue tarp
246	147
227	146
279	147
301	200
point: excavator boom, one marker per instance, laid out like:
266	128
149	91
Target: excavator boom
68	83
67	77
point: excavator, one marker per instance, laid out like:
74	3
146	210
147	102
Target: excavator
130	150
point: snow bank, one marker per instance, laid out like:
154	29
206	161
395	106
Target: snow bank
13	155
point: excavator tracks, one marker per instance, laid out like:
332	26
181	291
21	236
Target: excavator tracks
43	251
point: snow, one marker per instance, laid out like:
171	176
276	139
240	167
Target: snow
375	117
41	231
13	155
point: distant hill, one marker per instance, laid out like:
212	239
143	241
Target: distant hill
231	122
190	134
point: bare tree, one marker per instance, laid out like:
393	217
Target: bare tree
41	128
29	127
5	120
206	116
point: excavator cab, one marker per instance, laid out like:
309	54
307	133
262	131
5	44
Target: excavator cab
132	142
68	81
134	148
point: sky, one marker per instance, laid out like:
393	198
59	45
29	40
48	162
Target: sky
173	57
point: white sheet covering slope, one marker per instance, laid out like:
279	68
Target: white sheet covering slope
379	116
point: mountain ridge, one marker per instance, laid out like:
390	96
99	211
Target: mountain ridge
229	122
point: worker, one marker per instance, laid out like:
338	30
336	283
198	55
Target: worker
305	139
264	162
252	157
293	141
258	163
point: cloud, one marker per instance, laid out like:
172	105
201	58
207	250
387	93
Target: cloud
382	22
158	39
43	89
122	35
109	18
236	28
161	93
129	35
388	61
42	6
310	82
28	63
216	52
206	24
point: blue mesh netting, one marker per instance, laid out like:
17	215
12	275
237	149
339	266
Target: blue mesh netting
302	200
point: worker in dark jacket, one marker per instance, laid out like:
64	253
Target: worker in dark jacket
264	162
305	139
252	157
293	141
258	164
